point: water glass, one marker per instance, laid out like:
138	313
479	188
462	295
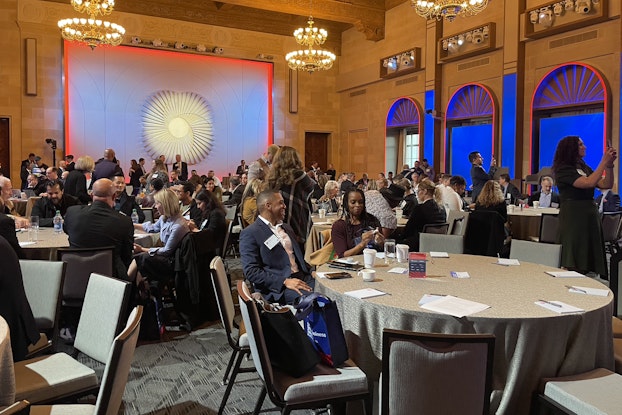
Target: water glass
389	251
33	229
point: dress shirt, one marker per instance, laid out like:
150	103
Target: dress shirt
545	199
285	241
172	231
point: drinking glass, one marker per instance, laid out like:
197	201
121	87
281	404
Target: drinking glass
389	251
33	229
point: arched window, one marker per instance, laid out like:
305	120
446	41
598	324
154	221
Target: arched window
469	126
569	100
403	138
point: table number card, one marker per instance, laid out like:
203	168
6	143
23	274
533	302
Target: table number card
416	265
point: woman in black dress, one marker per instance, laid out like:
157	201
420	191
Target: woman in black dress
580	228
75	183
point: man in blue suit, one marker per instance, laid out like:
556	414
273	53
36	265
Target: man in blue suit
272	260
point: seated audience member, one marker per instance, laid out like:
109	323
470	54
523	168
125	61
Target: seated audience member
410	198
394	194
210	186
187	205
357	229
7	231
249	201
491	199
331	172
14	306
510	192
6	193
158	172
331	191
362	182
427	169
237	189
378	206
99	225
75	183
148	200
123	202
348	183
608	201
428	211
174	179
317	191
451	196
36	185
272	260
212	175
195	179
46	207
546	196
211	215
158	264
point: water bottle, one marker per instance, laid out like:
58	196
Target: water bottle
134	216
58	222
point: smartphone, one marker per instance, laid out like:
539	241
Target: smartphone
337	275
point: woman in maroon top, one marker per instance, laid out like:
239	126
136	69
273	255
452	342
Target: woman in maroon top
356	229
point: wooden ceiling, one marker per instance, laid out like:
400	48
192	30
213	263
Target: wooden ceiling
279	17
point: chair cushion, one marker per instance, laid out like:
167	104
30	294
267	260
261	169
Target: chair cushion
49	377
594	392
616	325
62	410
322	382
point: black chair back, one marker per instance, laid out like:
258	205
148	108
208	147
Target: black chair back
81	263
549	229
438	228
485	234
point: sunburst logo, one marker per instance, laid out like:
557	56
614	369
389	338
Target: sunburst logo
177	123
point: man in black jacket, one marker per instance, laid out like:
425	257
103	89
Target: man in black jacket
125	203
479	177
46	207
181	167
99	225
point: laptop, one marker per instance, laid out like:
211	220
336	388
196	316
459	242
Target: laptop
30	192
17	194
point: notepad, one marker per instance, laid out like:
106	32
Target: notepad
565	274
507	261
559	307
398	270
460	274
23	244
588	291
365	293
438	254
429	297
455	306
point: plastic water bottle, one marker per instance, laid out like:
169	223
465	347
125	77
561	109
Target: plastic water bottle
58	222
134	216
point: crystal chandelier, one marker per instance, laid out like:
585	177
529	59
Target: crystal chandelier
92	31
310	59
448	9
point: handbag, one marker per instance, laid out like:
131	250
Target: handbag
323	327
288	346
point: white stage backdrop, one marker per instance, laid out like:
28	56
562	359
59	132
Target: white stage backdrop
142	102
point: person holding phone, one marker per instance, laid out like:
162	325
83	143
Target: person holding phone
479	177
580	229
357	229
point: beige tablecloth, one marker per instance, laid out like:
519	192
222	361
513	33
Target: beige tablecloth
531	341
526	223
7	375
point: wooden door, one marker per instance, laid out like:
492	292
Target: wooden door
316	149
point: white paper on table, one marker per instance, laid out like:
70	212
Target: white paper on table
507	261
460	274
322	223
321	274
565	274
23	244
429	297
398	270
588	291
365	293
380	255
455	306
346	261
559	307
438	254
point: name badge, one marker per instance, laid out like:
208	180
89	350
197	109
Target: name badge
271	242
581	172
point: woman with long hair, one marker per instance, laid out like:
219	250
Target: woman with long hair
158	171
580	227
135	174
210	185
75	183
159	263
249	201
491	199
357	228
429	210
287	176
212	214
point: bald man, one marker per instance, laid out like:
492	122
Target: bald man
99	225
107	167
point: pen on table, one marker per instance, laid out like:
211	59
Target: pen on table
551	303
570	287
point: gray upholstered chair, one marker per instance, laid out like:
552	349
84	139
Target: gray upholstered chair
43	283
438	228
453	244
51	378
236	334
320	387
118	365
536	252
436	373
593	392
458	221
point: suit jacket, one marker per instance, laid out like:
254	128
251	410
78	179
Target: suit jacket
554	198
479	177
75	185
105	169
7	231
183	170
46	210
99	225
126	204
611	203
236	197
14	307
513	192
268	268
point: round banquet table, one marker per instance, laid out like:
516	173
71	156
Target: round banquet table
48	241
7	376
525	223
531	342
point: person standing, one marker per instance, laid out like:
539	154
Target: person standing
580	229
181	167
75	183
479	177
242	168
25	170
106	167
